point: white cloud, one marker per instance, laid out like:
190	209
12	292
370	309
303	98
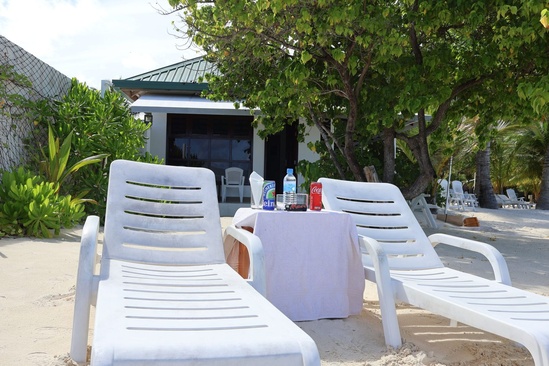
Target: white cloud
94	39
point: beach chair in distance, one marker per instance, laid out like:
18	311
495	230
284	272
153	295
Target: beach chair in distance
453	199
164	294
519	201
233	178
401	260
503	201
466	199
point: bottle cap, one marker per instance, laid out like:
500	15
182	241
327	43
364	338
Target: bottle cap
289	171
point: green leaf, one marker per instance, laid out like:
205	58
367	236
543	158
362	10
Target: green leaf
305	57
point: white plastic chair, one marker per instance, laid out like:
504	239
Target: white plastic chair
233	179
459	195
401	260
164	294
453	200
518	201
503	201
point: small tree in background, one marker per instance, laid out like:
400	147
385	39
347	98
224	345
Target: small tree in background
99	125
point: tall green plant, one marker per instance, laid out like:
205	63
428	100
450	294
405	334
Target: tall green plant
54	165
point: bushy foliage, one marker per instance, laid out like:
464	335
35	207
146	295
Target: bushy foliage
31	206
99	125
84	128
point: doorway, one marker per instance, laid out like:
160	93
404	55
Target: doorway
280	153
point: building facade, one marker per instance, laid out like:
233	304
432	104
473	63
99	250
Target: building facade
190	130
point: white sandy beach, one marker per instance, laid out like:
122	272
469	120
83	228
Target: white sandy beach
37	279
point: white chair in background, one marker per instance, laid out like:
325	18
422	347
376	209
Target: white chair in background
447	192
459	195
443	183
233	179
519	201
401	260
164	294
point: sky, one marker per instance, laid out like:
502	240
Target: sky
94	40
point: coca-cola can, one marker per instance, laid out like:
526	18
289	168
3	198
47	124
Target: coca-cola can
315	196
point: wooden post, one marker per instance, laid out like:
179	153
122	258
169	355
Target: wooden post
371	174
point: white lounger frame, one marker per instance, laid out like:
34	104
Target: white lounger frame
164	294
400	259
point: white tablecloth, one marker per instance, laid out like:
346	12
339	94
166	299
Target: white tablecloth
312	259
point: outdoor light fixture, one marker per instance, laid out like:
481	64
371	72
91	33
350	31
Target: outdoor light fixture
148	119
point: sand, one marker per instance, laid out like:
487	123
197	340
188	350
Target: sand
37	279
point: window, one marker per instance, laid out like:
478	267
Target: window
214	142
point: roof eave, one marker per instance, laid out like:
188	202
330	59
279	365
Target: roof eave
136	88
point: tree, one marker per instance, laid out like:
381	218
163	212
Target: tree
369	67
532	142
531	149
486	196
535	90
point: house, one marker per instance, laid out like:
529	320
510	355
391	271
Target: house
190	130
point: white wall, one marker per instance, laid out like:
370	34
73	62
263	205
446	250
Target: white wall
312	134
157	138
156	145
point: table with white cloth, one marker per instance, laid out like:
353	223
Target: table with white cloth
312	261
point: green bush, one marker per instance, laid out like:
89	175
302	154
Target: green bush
30	206
99	125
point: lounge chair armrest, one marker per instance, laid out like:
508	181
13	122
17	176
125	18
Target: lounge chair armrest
384	289
86	289
257	257
499	265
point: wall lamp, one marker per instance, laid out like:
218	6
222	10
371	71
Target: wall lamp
148	119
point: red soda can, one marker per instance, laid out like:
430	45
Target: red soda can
315	196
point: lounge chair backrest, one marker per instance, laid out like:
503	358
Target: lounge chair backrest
156	214
457	187
234	176
512	194
380	212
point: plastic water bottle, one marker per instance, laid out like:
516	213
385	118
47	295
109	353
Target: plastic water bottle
289	187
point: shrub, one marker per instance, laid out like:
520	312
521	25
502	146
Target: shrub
99	125
30	206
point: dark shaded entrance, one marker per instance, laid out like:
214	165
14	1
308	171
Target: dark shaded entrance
281	153
211	141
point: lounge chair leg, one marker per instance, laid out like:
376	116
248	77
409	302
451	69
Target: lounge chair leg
389	319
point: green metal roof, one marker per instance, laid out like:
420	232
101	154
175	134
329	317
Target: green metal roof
180	78
189	71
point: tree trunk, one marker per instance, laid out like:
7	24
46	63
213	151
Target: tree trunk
486	197
389	155
543	200
328	139
426	169
420	149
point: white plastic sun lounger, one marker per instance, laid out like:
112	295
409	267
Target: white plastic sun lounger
164	294
400	259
